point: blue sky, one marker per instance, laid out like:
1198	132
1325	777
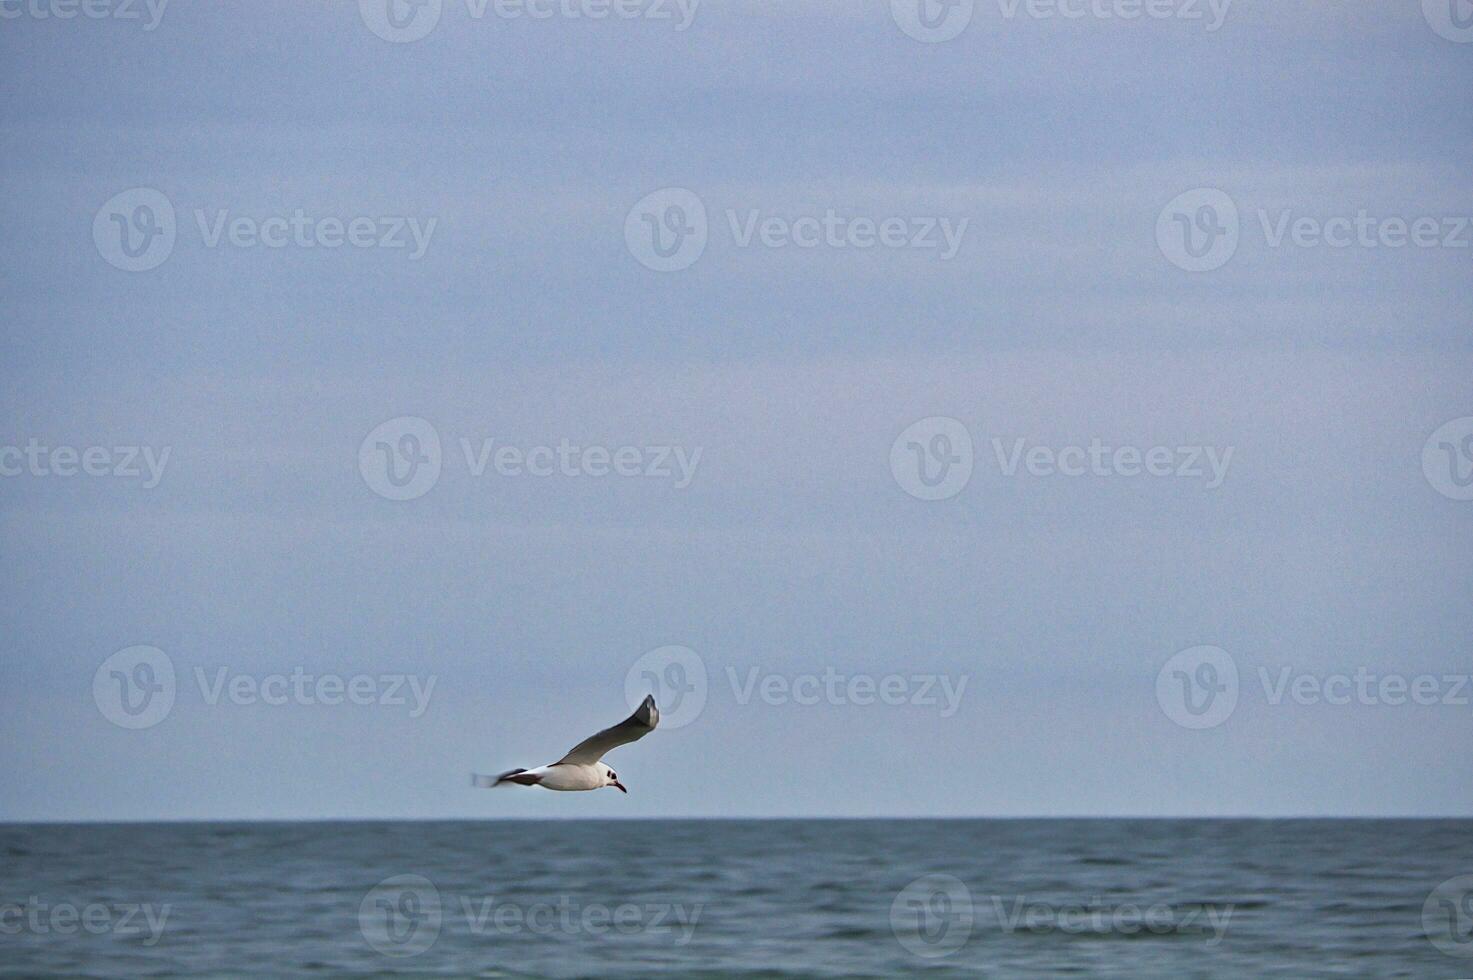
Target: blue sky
795	548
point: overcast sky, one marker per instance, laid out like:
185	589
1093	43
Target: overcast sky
721	435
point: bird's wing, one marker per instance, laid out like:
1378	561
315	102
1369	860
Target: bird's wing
635	727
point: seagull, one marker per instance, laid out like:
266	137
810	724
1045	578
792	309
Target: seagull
581	769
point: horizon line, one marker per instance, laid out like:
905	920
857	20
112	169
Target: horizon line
722	819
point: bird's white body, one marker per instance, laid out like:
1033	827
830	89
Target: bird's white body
581	769
569	777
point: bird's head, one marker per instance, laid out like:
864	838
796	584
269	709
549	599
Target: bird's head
611	778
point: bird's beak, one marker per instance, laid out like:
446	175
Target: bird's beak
620	786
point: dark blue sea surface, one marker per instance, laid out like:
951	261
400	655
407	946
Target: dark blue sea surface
741	898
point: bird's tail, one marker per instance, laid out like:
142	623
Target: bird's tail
517	776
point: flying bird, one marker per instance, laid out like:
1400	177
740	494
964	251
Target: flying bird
581	769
